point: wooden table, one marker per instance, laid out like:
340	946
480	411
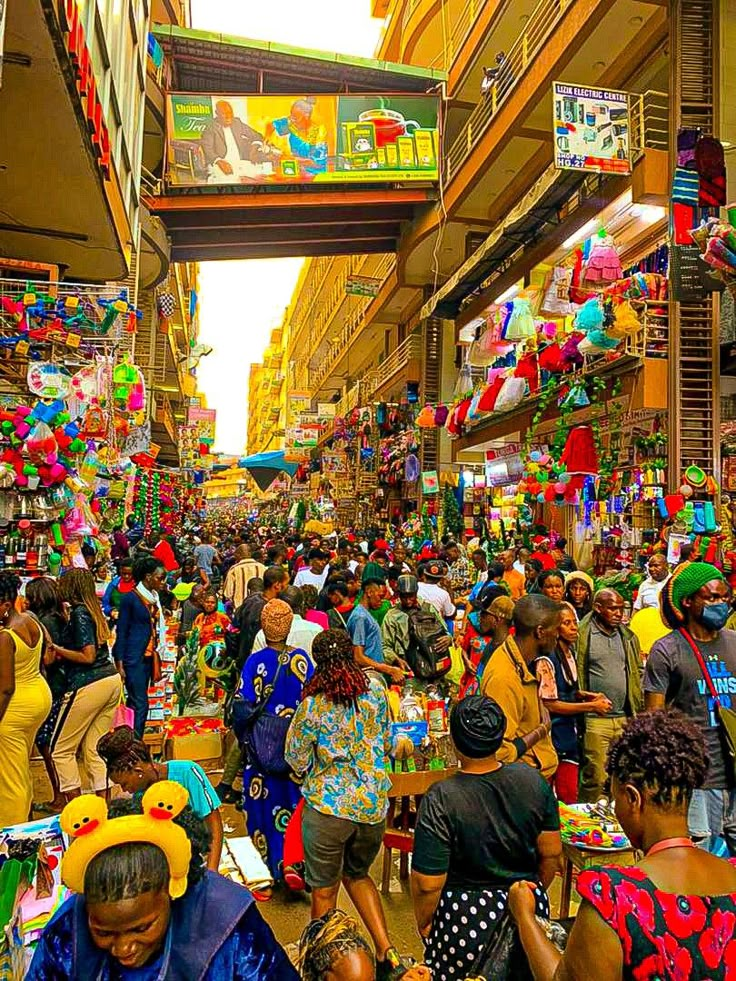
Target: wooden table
399	834
583	858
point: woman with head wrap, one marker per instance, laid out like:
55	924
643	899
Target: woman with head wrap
477	833
683	669
276	673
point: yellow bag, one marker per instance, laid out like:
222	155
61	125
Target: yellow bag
457	670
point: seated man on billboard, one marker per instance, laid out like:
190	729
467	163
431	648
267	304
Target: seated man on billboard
232	149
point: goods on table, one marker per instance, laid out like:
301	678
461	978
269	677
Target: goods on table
592	826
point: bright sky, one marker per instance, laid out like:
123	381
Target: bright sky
241	301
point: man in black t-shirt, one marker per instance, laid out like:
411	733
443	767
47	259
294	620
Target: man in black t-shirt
696	604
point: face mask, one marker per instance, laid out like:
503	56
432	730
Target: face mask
714	616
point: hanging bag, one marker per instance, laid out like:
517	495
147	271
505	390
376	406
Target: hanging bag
260	733
726	716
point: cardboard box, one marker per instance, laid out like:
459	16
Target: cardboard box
196	746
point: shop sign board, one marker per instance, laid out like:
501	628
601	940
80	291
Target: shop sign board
326	410
231	139
362	286
81	59
592	129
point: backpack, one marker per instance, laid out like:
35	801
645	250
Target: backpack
427	663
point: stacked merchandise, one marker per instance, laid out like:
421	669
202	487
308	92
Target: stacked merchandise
31	890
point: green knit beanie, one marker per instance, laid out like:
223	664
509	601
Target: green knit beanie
373	572
686	580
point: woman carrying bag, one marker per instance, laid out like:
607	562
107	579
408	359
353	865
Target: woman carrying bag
271	685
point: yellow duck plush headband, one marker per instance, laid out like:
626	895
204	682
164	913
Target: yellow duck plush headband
85	820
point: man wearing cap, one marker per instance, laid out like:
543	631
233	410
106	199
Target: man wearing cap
431	592
609	662
366	635
542	553
317	571
695	603
509	680
395	628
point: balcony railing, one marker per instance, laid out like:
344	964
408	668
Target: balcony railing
352	326
540	26
456	38
398	360
650	120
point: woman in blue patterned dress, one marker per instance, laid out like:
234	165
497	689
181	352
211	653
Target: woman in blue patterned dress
269	801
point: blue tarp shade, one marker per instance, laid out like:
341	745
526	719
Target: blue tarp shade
265	467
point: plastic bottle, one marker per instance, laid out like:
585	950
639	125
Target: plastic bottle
436	711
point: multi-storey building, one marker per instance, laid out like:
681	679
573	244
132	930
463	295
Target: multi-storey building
506	215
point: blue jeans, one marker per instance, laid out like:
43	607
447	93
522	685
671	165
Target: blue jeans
712	814
137	681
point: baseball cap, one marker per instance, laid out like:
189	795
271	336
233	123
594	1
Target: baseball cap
435	570
407	585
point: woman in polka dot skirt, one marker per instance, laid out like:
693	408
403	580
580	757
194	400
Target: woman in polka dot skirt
477	833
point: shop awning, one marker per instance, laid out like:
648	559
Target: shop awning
524	225
203	61
264	468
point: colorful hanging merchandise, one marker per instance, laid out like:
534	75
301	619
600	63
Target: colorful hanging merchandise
716	240
603	265
557	301
580	457
521	322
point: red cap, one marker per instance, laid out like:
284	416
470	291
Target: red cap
381	545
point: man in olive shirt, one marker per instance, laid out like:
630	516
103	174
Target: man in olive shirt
609	662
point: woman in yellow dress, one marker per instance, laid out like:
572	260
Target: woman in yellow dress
25	701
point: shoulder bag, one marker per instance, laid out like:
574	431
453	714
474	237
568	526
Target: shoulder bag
726	716
260	733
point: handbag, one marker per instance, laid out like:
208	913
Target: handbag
726	716
260	733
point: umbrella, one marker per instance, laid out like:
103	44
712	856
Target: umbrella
264	468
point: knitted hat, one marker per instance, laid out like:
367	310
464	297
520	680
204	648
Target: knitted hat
686	580
373	572
276	620
578	576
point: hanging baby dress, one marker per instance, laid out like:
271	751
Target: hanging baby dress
604	265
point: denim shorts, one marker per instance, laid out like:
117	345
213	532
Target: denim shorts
335	848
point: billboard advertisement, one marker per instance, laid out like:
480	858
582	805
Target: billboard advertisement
288	139
592	129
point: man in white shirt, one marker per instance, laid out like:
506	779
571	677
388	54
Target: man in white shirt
317	572
302	633
431	592
652	586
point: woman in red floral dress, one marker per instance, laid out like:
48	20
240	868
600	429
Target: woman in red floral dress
673	916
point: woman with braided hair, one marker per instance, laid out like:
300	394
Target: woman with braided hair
338	740
130	764
674	914
25	701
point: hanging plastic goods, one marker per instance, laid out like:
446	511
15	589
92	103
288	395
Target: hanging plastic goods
47	380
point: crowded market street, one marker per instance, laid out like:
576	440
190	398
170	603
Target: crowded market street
367	519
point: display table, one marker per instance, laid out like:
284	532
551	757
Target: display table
399	834
583	858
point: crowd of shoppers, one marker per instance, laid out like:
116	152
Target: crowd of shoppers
551	701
